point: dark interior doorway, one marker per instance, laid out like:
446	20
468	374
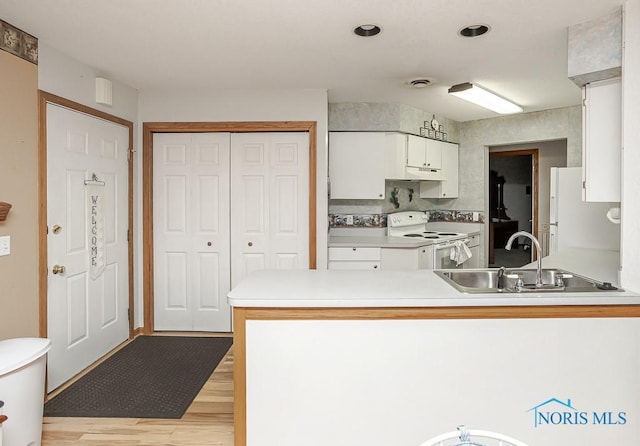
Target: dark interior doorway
513	205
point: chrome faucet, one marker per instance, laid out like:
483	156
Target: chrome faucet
538	252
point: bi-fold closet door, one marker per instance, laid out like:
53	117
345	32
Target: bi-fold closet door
224	205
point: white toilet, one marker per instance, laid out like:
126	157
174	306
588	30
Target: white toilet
22	373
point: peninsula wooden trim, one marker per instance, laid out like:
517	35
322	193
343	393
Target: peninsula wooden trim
239	377
407	313
45	98
149	128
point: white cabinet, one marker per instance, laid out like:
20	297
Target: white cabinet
354	258
448	187
411	157
407	258
423	153
357	165
602	140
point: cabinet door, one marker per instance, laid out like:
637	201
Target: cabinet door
416	151
424	153
449	187
356	165
433	154
602	141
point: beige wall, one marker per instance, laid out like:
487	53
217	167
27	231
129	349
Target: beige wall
18	186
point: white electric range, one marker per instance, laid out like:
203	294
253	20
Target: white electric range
441	243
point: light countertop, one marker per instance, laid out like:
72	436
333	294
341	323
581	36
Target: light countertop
422	288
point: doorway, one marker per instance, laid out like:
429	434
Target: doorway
513	205
85	217
152	129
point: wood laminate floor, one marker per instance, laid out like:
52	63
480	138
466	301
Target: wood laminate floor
208	421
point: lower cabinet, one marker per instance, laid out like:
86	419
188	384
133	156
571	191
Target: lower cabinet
354	258
357	258
407	258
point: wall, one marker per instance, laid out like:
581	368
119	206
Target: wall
630	259
595	50
385	116
73	80
477	136
18	186
70	79
196	105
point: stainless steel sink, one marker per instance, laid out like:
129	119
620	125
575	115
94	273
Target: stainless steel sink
520	281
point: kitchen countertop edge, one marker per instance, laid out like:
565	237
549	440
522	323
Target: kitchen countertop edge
384	289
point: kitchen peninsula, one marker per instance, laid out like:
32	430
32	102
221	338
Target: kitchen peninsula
398	357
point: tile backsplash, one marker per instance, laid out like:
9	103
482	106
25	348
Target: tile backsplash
357	220
374	220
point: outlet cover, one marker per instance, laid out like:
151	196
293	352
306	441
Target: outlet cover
5	245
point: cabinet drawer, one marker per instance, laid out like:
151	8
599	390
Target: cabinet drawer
354	254
366	265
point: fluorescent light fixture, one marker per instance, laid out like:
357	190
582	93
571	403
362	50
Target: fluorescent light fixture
484	98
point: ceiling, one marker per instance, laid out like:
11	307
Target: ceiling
267	44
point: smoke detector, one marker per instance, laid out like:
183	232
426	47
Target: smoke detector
419	82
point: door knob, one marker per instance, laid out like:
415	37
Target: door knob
250	244
58	269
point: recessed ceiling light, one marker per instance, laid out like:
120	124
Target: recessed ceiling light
367	30
474	30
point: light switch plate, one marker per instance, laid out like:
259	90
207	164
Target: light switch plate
5	245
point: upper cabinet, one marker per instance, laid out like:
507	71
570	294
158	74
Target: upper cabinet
423	153
411	157
448	187
602	140
357	165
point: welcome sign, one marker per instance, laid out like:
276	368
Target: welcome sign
95	229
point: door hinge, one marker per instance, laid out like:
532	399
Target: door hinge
584	184
128	240
128	314
130	153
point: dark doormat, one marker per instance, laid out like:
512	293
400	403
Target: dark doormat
151	377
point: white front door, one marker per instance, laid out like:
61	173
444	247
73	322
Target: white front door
191	231
87	306
270	202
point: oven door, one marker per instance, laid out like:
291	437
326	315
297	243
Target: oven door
442	255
